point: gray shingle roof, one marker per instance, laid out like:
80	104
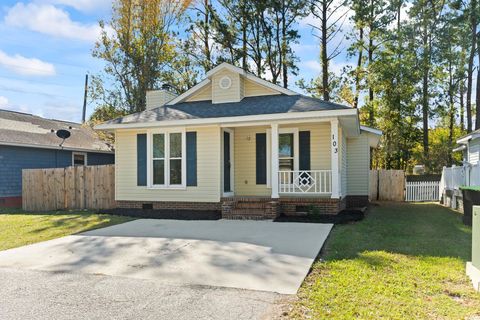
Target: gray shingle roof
246	107
27	129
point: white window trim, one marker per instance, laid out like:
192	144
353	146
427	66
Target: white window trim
79	153
269	151
167	185
295	145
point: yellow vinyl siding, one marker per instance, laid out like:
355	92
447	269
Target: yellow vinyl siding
245	162
320	155
203	94
358	165
253	89
208	170
231	94
343	166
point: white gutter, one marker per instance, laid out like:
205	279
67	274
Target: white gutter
461	148
225	120
371	130
39	146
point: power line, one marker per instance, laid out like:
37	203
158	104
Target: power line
44	82
34	92
45	71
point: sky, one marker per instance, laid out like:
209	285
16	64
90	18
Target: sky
45	52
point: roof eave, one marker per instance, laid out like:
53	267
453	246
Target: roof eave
225	120
40	146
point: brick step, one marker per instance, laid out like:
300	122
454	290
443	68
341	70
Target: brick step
251	205
248	212
244	217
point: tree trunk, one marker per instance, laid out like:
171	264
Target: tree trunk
371	112
208	55
462	105
425	95
473	43
477	98
284	47
324	56
359	66
244	39
451	115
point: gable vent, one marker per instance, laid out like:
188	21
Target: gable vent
225	82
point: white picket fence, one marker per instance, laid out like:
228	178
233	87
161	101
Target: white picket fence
422	190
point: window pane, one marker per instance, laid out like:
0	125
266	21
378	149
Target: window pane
175	145
286	164
176	171
158	145
158	171
78	159
285	145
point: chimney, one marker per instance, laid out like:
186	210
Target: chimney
159	98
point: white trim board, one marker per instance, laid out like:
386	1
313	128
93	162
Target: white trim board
39	146
80	153
252	119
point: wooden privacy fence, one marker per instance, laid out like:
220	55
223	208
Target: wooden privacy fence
387	185
80	187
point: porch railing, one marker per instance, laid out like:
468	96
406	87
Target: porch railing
305	181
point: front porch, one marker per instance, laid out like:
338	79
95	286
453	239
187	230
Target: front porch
283	168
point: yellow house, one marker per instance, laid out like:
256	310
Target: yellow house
245	147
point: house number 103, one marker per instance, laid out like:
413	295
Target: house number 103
334	144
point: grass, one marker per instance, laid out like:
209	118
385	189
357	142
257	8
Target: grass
18	228
404	261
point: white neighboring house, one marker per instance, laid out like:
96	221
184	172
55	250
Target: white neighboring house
468	174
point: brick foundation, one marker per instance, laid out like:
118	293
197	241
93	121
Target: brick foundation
357	201
253	208
171	205
288	206
11	202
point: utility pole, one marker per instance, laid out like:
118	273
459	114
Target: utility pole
85	98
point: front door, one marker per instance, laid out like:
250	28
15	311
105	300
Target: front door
226	163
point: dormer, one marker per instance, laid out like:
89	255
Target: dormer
226	84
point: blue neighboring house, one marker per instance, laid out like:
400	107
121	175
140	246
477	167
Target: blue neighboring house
30	142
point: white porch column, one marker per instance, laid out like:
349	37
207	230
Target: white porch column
274	160
335	151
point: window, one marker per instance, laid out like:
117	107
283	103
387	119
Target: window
285	151
168	160
79	159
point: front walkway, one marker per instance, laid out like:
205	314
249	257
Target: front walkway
255	255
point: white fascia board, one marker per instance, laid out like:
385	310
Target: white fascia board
468	138
371	130
39	146
224	65
189	92
461	148
239	119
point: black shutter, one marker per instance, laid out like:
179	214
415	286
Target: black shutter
191	158
261	158
142	159
304	150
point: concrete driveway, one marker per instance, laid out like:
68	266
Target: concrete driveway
255	255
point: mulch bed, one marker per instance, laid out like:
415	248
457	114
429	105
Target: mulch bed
166	214
343	217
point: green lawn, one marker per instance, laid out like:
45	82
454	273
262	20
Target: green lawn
404	261
18	228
